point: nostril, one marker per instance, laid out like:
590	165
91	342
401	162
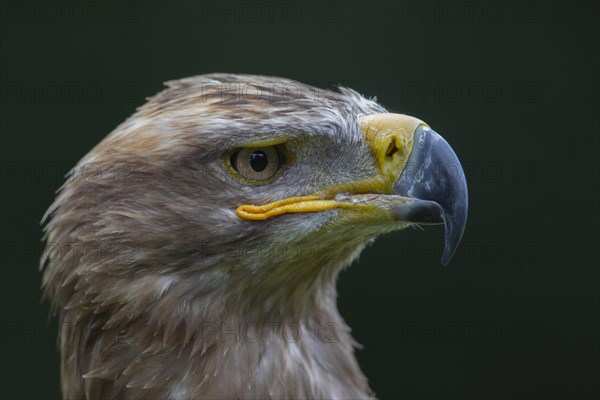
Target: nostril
392	149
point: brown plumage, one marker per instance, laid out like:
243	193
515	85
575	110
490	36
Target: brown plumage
163	291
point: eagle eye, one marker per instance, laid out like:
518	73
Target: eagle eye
257	163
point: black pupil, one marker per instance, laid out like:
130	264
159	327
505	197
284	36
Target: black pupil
258	160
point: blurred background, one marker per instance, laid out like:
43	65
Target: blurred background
513	86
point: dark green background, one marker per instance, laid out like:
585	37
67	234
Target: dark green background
512	86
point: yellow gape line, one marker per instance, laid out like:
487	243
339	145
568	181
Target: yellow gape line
290	205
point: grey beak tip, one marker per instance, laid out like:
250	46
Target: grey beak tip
434	174
455	219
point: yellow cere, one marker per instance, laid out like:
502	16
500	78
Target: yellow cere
391	138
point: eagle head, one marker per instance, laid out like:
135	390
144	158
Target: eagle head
193	252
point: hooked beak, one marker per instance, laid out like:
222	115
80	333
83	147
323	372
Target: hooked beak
420	181
434	177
